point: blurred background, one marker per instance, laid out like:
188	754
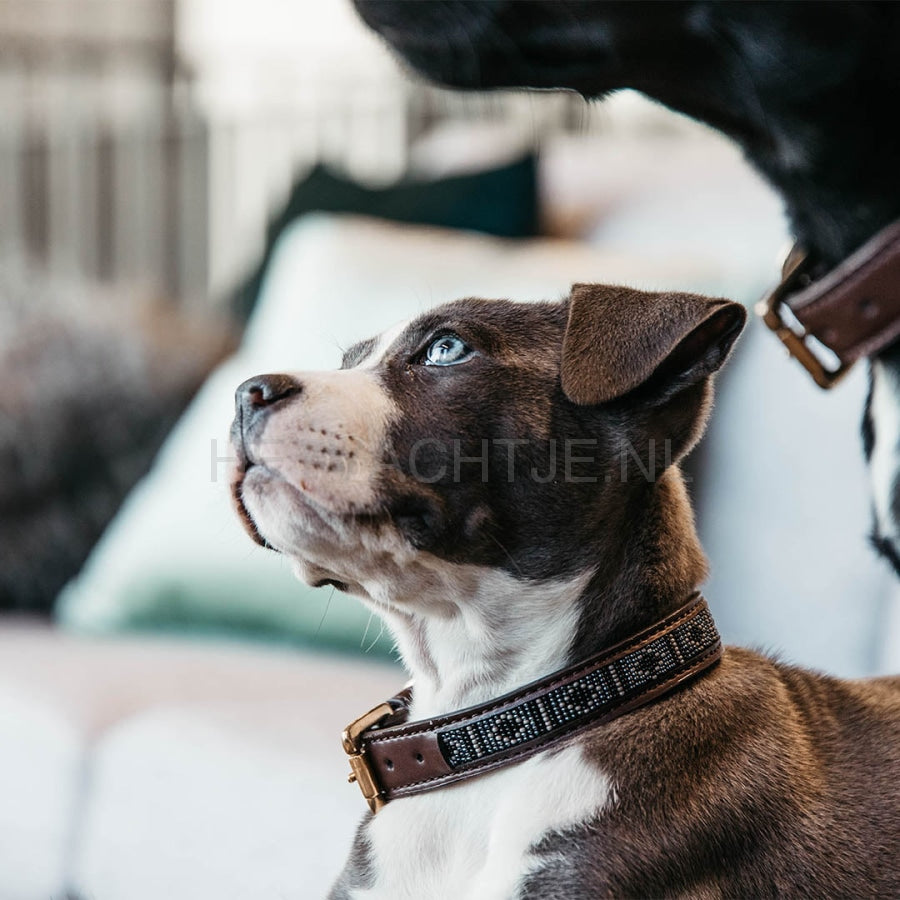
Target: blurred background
192	191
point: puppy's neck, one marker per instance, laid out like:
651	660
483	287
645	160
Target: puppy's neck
479	632
652	564
493	633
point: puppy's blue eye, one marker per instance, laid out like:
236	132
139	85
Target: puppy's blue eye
447	350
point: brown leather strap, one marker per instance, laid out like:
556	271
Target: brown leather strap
853	310
391	760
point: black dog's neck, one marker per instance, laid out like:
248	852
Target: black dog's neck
504	633
829	216
821	148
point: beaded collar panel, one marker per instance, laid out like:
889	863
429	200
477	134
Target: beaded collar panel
393	758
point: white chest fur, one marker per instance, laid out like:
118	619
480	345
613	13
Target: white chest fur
472	841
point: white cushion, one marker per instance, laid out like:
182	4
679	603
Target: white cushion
42	768
228	800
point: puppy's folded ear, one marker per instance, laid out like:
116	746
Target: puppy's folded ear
618	339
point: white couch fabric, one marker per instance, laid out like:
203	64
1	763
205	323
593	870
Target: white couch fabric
137	768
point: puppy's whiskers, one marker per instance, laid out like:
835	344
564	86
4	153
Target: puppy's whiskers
362	641
377	637
325	613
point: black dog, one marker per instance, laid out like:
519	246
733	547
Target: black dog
806	89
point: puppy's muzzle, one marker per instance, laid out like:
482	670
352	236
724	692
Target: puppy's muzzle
253	400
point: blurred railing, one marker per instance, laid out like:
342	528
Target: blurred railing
109	172
176	201
116	202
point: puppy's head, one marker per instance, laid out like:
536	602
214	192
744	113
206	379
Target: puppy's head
514	436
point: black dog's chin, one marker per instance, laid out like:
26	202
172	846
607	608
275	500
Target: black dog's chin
442	41
438	22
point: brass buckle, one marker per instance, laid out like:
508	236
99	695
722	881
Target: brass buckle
794	337
360	771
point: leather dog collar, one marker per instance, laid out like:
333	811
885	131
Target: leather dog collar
852	311
392	758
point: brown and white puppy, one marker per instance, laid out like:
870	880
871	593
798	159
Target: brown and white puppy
500	482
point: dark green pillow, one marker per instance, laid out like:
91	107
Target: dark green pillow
501	202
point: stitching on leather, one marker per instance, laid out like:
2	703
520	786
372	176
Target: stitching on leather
870	345
852	280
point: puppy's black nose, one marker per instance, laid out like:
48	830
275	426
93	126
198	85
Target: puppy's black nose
260	392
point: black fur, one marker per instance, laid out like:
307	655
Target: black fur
808	90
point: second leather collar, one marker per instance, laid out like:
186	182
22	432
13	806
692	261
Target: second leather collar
852	311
